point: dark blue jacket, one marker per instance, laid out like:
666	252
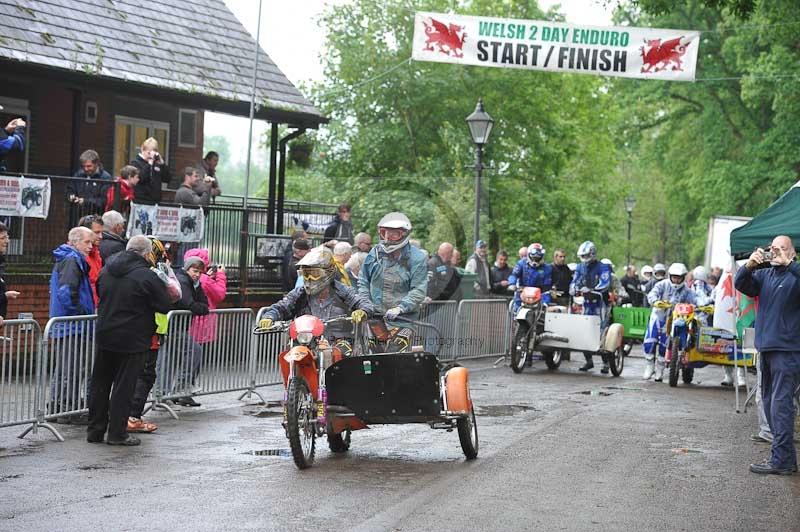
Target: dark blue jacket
92	188
540	276
70	291
14	141
778	317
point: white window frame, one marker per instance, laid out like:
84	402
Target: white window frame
180	127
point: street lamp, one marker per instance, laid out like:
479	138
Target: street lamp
480	126
630	203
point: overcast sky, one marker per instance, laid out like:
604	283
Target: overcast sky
293	39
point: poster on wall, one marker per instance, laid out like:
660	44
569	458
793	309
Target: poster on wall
168	223
21	196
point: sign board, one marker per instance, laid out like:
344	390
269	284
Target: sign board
22	196
168	223
644	53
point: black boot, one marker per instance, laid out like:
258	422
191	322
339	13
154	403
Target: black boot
589	364
604	370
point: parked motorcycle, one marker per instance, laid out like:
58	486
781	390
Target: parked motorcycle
530	322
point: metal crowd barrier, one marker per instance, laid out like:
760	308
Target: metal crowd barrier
66	359
483	328
444	316
20	375
46	376
265	369
203	355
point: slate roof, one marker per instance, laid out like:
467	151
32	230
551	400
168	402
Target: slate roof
196	47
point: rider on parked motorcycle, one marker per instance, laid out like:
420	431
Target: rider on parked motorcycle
591	276
324	297
394	276
532	271
703	293
672	290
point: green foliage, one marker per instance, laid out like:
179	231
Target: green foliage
565	149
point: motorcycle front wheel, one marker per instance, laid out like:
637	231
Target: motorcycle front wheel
519	350
552	359
300	414
675	362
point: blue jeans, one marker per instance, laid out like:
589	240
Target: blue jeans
779	381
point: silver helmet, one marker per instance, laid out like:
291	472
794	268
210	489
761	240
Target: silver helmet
317	269
394	222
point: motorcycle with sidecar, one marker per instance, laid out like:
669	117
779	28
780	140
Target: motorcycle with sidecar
328	394
530	326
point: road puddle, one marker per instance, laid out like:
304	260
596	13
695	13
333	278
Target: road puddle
593	393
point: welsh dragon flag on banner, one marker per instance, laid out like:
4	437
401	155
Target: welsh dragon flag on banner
726	304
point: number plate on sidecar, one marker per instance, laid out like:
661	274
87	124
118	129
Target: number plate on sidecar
386	388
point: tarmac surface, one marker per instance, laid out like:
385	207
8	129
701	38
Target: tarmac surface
559	450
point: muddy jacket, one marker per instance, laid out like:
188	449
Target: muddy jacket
341	301
389	282
664	291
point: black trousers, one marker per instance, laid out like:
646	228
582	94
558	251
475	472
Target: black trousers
109	408
144	383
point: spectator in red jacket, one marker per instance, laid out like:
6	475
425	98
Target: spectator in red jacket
95	223
128	179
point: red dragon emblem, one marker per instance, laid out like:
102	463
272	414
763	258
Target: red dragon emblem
658	56
445	37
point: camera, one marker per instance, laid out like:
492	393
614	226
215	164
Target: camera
768	256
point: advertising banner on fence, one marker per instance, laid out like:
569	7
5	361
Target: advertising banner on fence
645	53
172	224
21	196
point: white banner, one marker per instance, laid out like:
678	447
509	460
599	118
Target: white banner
645	53
21	196
171	224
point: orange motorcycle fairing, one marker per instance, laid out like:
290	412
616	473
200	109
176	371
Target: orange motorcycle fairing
340	424
304	366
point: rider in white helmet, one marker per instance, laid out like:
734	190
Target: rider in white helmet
672	290
395	275
647	276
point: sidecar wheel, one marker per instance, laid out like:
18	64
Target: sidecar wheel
468	435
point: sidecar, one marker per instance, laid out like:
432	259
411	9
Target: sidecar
392	388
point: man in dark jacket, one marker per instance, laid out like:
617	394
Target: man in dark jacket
478	265
630	282
778	340
561	276
152	172
130	293
113	235
500	274
193	299
340	229
12	138
87	193
440	274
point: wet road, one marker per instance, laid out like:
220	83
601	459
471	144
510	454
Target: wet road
558	451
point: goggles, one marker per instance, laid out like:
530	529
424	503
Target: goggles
312	274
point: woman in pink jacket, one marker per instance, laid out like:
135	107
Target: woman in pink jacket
214	283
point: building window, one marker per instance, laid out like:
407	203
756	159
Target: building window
187	128
91	112
129	133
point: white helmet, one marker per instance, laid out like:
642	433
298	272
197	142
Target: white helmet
677	269
659	268
700	274
608	262
587	251
647	269
572	266
394	220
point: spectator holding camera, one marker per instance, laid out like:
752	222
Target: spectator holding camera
12	137
207	173
153	171
774	277
89	192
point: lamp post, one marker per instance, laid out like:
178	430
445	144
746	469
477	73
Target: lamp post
480	126
630	203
